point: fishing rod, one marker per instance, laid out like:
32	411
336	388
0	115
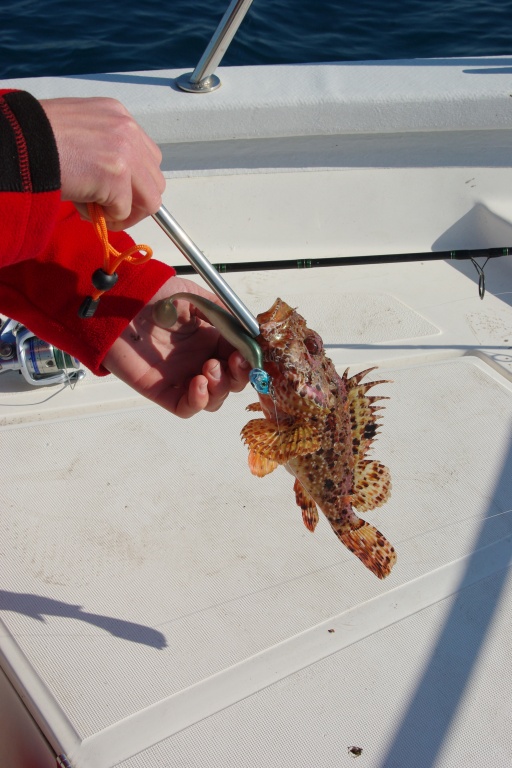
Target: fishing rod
341	261
345	261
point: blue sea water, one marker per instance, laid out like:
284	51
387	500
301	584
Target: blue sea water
59	37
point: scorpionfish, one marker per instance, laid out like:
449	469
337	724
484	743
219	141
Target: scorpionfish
320	426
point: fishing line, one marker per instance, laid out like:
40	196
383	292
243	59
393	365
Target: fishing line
459	521
272	393
38	402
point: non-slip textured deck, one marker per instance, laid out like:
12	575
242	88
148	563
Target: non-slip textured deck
172	609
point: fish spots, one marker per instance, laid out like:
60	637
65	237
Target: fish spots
322	426
370	430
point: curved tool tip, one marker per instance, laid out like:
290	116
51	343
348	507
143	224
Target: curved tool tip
165	315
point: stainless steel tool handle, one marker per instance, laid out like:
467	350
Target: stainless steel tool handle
203	267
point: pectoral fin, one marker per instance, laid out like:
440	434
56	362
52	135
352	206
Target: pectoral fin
280	443
261	466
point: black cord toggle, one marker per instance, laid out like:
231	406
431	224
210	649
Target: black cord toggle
102	281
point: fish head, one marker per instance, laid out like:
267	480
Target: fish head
294	356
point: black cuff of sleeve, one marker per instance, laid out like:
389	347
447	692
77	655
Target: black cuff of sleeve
29	161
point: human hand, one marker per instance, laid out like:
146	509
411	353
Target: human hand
186	369
105	158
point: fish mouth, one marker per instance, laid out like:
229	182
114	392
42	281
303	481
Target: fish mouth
278	313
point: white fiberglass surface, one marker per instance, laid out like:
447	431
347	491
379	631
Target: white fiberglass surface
150	581
159	605
416	693
153	589
310	213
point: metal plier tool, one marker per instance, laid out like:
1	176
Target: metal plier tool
240	328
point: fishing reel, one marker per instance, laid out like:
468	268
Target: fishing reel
40	363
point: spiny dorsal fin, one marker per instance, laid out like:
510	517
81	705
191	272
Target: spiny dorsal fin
362	411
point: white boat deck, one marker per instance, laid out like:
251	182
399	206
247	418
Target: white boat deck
161	606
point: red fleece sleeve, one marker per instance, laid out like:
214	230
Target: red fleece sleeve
46	292
48	254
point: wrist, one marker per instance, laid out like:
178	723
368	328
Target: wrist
34	164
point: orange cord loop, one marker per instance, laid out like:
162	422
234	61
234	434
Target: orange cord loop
106	277
111	257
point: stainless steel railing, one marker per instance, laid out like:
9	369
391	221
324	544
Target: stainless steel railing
202	79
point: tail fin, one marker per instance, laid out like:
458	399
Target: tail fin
370	546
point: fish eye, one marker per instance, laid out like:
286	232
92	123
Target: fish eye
312	345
